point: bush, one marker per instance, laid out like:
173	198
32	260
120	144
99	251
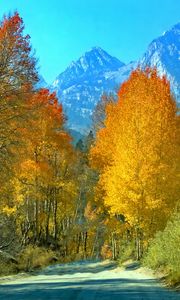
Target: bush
164	252
33	257
126	251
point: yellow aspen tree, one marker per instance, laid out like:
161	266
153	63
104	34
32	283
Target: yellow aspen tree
139	141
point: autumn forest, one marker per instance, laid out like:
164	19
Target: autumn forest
112	195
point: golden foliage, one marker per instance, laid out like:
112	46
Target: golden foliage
136	153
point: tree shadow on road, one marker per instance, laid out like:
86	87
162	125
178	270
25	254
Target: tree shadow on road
80	267
132	266
113	289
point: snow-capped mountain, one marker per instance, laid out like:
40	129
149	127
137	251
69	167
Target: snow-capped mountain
164	53
81	85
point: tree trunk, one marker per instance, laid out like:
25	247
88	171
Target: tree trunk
85	243
139	244
47	220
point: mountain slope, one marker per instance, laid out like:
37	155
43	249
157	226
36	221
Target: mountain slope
94	62
81	85
164	53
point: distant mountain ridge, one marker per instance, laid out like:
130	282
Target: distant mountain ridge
164	53
91	63
82	84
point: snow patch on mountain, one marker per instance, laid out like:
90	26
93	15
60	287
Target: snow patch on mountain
82	84
164	53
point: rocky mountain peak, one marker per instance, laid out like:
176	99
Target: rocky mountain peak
82	84
164	53
94	61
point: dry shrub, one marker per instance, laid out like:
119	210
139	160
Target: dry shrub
8	264
7	268
33	257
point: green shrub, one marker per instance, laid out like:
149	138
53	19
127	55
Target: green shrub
164	251
127	251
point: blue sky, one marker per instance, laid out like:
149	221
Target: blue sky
62	30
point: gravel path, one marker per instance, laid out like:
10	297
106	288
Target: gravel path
86	281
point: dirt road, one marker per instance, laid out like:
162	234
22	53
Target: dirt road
86	281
